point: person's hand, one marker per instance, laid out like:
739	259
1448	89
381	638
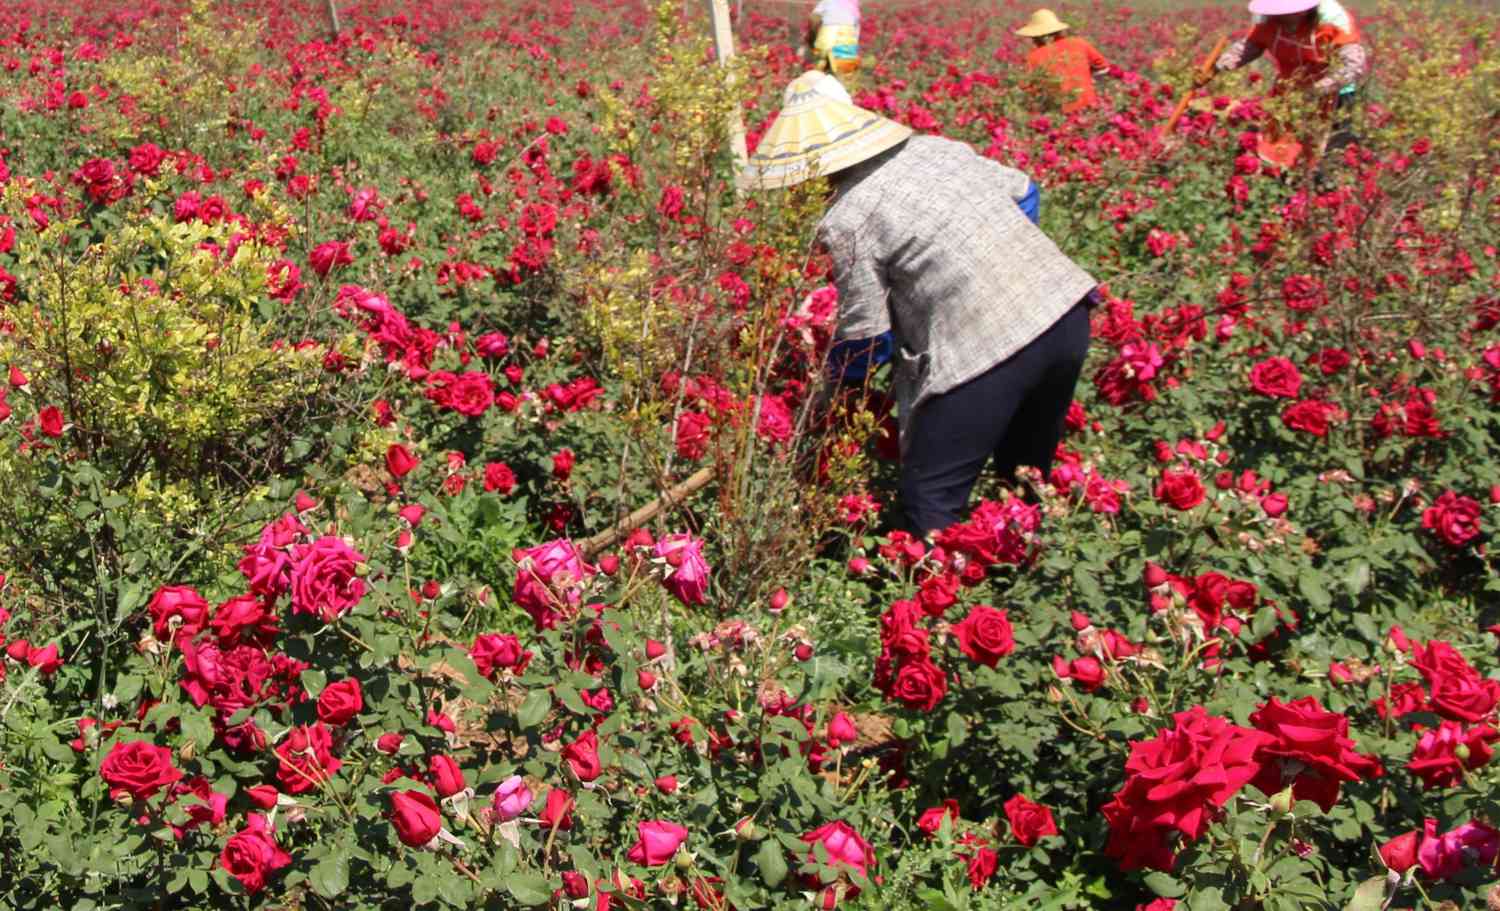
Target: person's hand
1201	79
1325	87
1225	63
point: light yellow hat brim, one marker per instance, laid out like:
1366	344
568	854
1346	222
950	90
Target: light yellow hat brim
1043	22
815	136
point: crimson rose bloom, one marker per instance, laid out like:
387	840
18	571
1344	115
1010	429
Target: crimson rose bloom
1309	416
469	393
583	756
498	478
1028	821
1176	781
325	256
1179	489
557	812
493	651
1311	752
1276	377
1400	853
658	840
340	702
325	579
138	768
1302	292
1453	519
932	818
178	612
416	818
919	684
985	635
1435	759
251	855
445	776
981	865
692	435
399	461
306	758
1458	692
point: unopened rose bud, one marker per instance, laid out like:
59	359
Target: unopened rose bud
1155	575
1281	802
1462	752
859	566
646	679
803	652
683	860
609	564
779	601
361	569
746	830
654	649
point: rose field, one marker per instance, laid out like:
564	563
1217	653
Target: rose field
423	488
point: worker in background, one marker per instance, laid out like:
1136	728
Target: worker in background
1315	45
833	36
1071	60
929	242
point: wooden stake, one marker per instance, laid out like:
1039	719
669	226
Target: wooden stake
333	18
669	500
1205	72
718	13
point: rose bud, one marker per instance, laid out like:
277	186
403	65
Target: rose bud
609	564
646	679
575	884
304	502
667	784
1080	622
1155	576
389	743
415	816
779	601
18	650
1400	853
859	566
1281	802
512	798
447	778
841	730
412	514
263	795
432	589
654	649
1495	493
403	540
803	652
746	830
1274	505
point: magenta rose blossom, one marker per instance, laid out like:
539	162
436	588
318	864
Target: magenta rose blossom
687	572
1473	844
493	652
306	758
844	847
325	579
251	855
658	840
549	579
511	799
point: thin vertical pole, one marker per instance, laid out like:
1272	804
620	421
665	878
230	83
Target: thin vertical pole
333	17
718	12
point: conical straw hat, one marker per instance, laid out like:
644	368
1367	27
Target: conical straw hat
816	135
1043	22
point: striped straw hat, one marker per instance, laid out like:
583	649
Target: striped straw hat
816	134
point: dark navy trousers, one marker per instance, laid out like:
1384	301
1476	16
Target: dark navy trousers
1013	413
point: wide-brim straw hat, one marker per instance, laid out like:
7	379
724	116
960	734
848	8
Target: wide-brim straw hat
1281	7
1043	22
817	134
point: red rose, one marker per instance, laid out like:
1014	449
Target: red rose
1302	292
1176	782
1458	692
178	611
325	256
985	635
920	685
470	393
932	818
1400	853
582	756
1311	751
50	420
415	816
1330	361
1028	821
326	579
445	776
1087	672
1436	759
340	702
692	435
562	465
658	841
492	652
251	855
306	758
399	461
138	768
981	865
557	813
1276	377
1453	519
498	478
1179	489
1309	416
389	742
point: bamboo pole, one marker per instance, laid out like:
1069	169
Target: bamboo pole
333	18
667	501
718	12
1205	72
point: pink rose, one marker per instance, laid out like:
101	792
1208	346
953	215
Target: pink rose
844	847
658	840
178	612
1471	844
687	572
549	579
325	580
511	798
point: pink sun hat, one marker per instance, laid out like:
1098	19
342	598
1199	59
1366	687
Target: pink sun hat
1281	7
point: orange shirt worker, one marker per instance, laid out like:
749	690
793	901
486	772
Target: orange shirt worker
1071	60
